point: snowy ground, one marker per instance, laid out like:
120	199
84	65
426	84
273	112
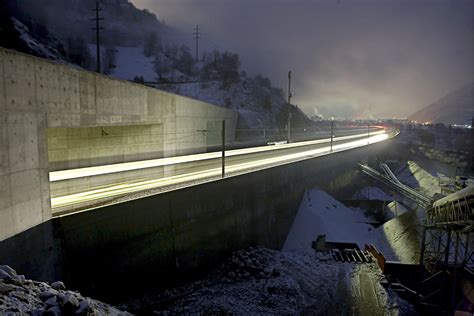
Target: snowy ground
132	63
267	282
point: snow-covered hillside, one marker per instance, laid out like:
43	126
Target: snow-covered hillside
455	108
137	46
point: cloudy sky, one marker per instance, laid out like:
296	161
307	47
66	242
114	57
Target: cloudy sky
354	58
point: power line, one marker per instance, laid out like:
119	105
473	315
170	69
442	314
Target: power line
97	29
197	37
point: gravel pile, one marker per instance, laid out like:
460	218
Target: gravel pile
20	296
247	264
261	281
256	281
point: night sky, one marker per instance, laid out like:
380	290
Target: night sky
356	58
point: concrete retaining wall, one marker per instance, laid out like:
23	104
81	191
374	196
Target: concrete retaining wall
37	94
70	148
110	251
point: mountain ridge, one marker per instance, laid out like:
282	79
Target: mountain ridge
457	107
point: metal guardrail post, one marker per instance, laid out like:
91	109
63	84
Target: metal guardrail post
223	148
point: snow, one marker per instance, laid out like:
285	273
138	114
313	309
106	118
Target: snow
372	193
466	192
33	44
238	97
132	63
416	177
394	209
399	238
321	214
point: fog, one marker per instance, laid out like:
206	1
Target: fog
349	58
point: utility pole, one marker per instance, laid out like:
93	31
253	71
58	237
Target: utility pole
223	148
97	29
288	126
197	37
368	132
332	132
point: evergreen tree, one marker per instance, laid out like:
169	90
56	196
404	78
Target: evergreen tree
78	52
152	45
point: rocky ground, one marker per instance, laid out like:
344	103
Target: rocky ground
261	281
20	296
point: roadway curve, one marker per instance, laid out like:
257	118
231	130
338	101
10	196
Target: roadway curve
193	169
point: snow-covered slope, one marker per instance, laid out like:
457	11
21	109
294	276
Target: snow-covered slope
137	46
416	177
321	214
239	96
455	108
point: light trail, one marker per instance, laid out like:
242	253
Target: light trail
213	173
136	165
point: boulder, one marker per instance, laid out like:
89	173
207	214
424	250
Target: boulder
52	301
5	288
58	285
70	304
8	270
84	308
45	295
53	311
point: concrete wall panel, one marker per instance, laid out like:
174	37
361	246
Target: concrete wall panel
91	146
68	92
134	100
23	141
155	103
19	82
47	85
45	193
5	193
2	84
4	150
26	199
104	88
87	92
7	228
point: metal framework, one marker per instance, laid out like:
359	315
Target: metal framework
446	257
405	190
